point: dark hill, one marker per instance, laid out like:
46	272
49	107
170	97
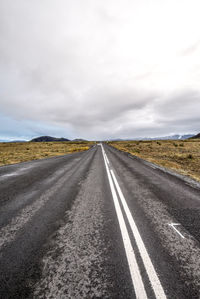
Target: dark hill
48	139
196	136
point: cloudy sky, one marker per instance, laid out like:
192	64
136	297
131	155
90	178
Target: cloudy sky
99	69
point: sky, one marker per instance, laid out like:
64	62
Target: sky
99	69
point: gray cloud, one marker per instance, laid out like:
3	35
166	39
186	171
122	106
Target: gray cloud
93	69
180	106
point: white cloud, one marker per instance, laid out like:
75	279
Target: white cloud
101	67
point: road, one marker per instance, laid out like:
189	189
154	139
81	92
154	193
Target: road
98	224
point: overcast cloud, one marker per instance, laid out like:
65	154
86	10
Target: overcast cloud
99	68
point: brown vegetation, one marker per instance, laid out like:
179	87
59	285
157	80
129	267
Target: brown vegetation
182	156
11	153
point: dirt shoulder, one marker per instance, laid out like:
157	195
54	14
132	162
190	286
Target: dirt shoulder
182	156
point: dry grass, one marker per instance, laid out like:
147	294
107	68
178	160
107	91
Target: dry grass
181	156
11	153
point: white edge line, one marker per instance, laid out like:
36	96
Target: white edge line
155	282
133	266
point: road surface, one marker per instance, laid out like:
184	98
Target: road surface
98	224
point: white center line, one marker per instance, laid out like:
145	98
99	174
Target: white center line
107	159
133	266
155	282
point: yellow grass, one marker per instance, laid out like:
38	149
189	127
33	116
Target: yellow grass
11	153
181	156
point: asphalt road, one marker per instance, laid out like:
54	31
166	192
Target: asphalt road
98	224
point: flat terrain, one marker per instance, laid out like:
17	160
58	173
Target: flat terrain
16	152
98	224
182	156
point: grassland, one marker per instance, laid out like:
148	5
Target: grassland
178	155
11	153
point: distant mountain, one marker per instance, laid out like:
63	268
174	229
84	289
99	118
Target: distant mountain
174	137
18	141
188	136
171	137
196	136
48	139
79	140
6	140
120	139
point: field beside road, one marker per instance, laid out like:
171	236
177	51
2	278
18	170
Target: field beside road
16	152
182	156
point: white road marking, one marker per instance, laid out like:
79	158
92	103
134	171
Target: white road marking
149	164
107	159
173	225
152	166
155	282
133	266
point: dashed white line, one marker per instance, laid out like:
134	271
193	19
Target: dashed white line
155	282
